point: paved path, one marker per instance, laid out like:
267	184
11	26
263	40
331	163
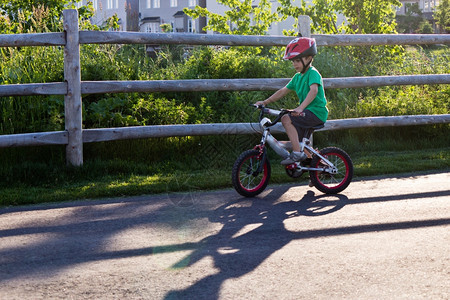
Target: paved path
381	238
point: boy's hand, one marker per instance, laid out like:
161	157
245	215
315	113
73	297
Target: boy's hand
259	103
297	112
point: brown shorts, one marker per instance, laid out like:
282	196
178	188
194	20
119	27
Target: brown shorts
302	123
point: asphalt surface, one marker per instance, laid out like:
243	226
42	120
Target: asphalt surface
380	239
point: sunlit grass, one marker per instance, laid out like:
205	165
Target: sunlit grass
120	185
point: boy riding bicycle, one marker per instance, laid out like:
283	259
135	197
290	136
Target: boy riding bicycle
308	84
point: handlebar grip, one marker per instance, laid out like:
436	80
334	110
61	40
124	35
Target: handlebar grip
257	106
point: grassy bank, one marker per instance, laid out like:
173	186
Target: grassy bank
116	178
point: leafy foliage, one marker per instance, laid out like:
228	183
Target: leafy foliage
408	24
361	16
425	27
24	13
242	18
376	16
27	16
442	15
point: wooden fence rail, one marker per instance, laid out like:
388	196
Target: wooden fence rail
154	131
107	37
263	84
194	85
74	136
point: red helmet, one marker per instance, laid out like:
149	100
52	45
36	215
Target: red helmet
302	46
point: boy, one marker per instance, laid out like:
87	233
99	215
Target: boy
308	85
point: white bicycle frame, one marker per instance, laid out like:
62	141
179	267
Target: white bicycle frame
281	149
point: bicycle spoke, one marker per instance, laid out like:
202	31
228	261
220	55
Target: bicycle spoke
333	179
247	177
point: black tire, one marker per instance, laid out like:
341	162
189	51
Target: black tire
327	182
245	180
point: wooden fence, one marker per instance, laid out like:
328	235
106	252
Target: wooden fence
72	88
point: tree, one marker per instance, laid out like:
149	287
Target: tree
361	16
412	9
322	14
442	15
425	27
409	22
166	27
44	15
242	17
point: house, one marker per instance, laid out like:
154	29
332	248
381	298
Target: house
412	13
105	9
154	13
427	7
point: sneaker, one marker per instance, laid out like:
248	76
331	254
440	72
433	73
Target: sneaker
294	157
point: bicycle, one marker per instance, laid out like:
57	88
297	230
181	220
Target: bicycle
330	169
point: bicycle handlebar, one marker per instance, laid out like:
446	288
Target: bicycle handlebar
273	112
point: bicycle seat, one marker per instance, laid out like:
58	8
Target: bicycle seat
309	131
318	126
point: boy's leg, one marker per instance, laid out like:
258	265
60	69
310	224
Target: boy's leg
294	127
291	132
296	154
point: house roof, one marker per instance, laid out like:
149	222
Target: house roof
179	13
151	20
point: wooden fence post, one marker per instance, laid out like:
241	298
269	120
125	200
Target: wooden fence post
72	100
304	26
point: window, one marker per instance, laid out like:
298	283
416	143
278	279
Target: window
156	3
152	27
149	3
95	4
191	25
192	3
173	3
112	4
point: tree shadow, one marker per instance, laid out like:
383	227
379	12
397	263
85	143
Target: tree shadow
83	233
253	230
237	250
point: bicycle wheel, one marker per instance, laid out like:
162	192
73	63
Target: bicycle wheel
245	176
328	182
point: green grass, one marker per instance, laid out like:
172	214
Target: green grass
90	181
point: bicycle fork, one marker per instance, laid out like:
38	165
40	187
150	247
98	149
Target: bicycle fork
330	168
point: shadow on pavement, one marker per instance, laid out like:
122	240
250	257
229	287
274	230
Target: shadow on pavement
234	249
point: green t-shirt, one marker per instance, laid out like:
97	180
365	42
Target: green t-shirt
301	83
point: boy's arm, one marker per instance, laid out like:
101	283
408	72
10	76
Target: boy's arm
275	97
313	90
